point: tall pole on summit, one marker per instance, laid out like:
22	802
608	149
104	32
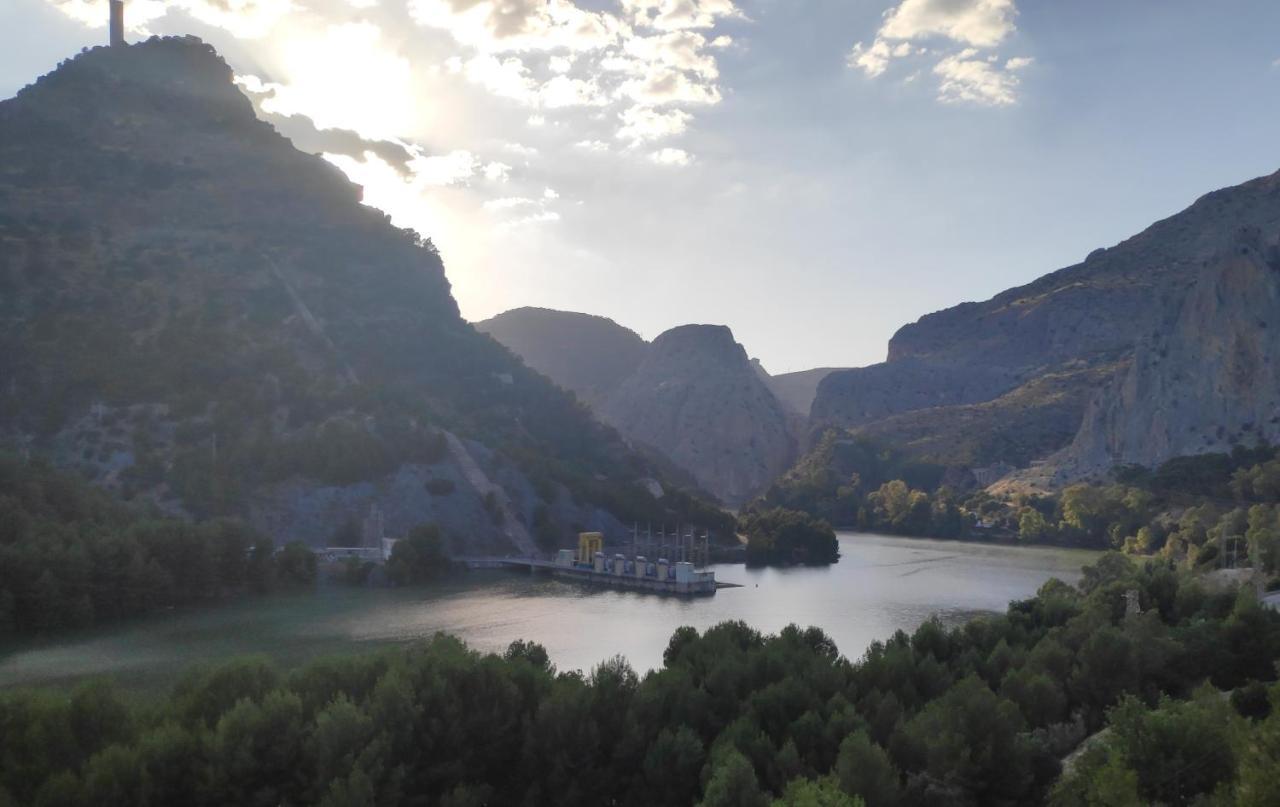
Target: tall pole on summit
117	23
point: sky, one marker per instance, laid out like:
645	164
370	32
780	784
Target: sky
812	173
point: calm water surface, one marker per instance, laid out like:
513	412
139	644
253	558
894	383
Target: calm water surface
881	584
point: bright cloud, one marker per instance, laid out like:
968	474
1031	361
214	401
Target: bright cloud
641	123
968	26
497	172
497	26
554	54
671	156
678	15
966	77
979	23
369	91
509	202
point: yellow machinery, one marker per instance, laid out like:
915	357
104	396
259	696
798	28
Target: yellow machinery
589	543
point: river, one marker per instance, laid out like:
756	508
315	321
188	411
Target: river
881	584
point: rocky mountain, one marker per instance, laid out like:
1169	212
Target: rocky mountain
196	314
692	396
584	353
697	399
1155	347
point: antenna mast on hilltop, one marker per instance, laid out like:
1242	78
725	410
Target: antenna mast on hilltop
117	23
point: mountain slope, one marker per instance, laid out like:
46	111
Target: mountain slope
1077	344
586	354
195	312
697	398
691	396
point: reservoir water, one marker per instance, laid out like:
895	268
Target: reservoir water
881	584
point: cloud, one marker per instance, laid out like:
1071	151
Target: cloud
966	77
310	138
681	50
522	211
497	26
445	169
642	123
497	172
369	90
592	145
509	202
554	54
678	15
967	27
977	23
246	19
671	156
873	59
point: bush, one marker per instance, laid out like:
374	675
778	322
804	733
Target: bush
786	537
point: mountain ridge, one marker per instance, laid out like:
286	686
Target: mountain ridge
1092	321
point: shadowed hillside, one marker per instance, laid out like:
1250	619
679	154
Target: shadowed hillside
196	313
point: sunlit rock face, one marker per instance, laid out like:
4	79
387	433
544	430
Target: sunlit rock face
197	314
1207	378
1158	346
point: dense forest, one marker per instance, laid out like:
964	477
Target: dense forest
1204	511
71	557
980	714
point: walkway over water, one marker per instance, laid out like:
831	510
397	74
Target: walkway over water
503	562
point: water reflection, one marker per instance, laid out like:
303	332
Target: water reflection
880	585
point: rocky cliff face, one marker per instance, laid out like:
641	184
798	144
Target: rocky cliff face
697	399
691	396
1144	351
586	354
1206	379
195	313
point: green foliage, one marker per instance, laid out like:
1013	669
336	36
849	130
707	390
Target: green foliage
816	793
1180	752
784	537
418	557
70	557
863	769
296	563
834	480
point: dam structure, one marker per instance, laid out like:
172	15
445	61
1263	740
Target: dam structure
589	564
